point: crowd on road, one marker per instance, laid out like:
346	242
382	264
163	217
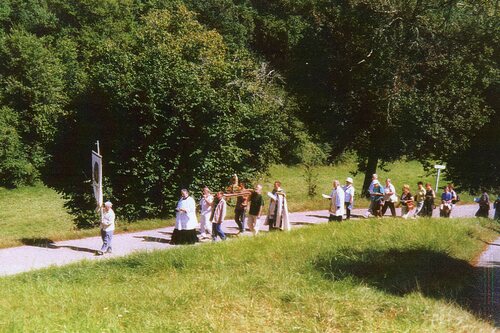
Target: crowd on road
384	197
249	203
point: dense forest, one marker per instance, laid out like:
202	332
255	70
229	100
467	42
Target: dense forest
182	93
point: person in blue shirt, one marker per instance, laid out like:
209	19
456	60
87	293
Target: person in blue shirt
446	198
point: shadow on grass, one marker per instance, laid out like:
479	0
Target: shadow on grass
49	244
434	274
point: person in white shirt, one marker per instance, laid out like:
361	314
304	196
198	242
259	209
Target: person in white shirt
107	228
337	202
390	198
349	197
218	217
185	220
206	203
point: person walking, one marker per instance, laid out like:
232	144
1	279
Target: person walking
430	195
484	205
377	199
206	203
446	199
218	217
370	190
107	228
256	204
390	197
185	220
407	202
277	215
337	203
348	197
419	199
240	208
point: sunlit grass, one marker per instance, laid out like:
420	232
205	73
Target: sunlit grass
308	280
37	212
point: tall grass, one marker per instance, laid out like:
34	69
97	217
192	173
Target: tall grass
308	280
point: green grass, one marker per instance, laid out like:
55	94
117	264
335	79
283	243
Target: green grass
360	276
31	213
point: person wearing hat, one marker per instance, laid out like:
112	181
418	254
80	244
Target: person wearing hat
349	197
107	228
377	198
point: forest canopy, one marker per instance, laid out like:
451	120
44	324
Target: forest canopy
184	93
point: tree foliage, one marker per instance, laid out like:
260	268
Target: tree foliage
173	108
183	92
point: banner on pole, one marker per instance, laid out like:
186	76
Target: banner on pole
97	177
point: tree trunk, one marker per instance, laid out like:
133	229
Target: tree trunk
371	168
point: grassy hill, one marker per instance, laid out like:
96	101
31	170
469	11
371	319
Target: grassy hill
360	276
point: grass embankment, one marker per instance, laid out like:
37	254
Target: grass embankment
32	214
360	276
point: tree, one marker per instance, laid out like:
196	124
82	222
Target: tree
173	108
385	80
33	101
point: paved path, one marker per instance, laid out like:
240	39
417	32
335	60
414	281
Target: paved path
25	258
486	299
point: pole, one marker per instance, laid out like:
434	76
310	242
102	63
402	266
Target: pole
100	180
437	180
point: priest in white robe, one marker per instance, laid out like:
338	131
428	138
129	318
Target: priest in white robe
185	220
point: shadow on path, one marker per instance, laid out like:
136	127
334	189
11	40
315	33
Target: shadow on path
49	244
318	216
302	223
434	274
154	239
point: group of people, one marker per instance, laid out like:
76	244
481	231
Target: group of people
213	209
250	202
384	197
422	203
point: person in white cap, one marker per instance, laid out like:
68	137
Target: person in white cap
107	228
349	197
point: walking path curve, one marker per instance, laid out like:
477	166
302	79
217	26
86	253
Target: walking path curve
26	258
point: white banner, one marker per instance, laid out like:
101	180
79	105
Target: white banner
97	177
